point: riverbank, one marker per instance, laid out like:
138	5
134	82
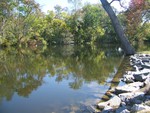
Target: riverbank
134	95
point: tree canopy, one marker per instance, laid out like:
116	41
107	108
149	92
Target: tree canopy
22	23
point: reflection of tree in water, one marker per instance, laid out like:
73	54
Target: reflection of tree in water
85	64
22	71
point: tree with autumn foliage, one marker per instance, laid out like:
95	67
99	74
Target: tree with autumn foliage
138	20
127	47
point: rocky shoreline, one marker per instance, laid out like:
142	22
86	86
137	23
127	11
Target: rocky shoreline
134	95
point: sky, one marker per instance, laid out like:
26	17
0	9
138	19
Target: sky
49	4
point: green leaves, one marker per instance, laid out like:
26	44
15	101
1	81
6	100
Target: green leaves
22	20
18	21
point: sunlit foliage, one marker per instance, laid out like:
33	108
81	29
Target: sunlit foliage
137	17
22	23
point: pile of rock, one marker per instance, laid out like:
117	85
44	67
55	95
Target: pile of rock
134	96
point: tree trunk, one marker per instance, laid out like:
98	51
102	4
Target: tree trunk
118	28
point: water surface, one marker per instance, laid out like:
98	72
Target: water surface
59	79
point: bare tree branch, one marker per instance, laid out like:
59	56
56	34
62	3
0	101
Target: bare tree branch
113	1
122	5
119	3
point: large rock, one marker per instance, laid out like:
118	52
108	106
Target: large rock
147	102
122	110
147	81
143	111
146	89
128	78
108	109
140	108
146	65
114	103
140	77
132	97
144	71
129	87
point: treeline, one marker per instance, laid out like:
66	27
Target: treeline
22	23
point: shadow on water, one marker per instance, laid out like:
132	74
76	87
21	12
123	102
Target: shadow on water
73	70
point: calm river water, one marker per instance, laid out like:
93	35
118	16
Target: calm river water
60	79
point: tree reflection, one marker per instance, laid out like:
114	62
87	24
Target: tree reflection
23	70
20	73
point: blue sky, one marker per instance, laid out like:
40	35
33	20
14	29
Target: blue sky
49	4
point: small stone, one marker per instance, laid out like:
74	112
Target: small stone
112	90
105	98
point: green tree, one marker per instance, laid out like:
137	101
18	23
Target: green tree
92	23
76	5
58	11
128	49
55	29
16	18
87	26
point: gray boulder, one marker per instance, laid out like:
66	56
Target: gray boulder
129	87
122	110
108	109
146	65
114	103
146	89
147	102
128	78
147	81
140	77
132	97
140	108
144	71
